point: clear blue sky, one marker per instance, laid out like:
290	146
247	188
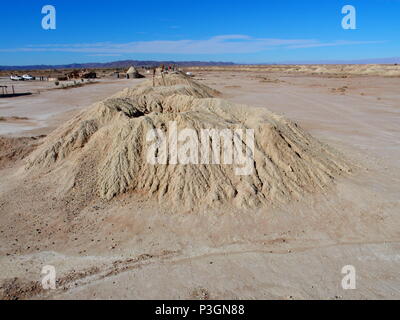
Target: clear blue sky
246	31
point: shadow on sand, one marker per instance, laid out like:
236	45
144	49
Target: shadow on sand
14	95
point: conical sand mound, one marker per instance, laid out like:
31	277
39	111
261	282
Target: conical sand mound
110	140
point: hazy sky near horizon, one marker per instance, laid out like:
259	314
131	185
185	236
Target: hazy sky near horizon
252	31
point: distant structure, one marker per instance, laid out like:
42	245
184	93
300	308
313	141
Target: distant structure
132	73
4	93
3	90
88	75
57	77
83	74
72	75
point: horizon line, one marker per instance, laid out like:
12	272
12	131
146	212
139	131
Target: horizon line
388	60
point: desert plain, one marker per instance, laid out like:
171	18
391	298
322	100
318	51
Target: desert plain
131	245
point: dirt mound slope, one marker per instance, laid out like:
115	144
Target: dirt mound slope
15	149
168	84
114	141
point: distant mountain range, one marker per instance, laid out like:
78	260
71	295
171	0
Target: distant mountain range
151	63
117	64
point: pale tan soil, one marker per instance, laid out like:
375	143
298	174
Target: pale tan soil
49	106
128	249
330	70
14	149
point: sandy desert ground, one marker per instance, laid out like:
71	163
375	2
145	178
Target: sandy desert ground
49	106
134	248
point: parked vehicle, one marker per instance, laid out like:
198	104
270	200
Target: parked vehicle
16	78
28	77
